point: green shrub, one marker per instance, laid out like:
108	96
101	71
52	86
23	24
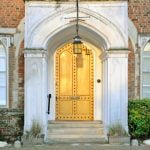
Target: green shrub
139	118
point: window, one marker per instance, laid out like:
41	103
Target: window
146	71
3	76
147	47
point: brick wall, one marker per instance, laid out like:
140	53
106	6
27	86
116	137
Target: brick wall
12	50
131	72
21	77
11	124
139	13
12	65
11	12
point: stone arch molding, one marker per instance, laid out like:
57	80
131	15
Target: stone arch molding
111	35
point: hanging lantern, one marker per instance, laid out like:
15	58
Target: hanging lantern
77	45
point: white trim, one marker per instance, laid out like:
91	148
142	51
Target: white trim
5	41
100	3
144	85
8	30
141	73
146	56
143	40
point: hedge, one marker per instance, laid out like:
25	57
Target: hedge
139	118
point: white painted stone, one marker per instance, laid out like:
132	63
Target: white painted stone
115	92
105	29
10	145
134	142
17	144
146	142
8	30
104	19
3	144
35	89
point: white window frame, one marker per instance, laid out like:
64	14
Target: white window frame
5	41
143	41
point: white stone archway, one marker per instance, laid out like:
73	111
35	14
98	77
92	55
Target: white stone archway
47	30
47	23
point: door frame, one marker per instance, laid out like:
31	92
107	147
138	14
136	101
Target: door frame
98	100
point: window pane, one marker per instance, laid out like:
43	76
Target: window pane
146	78
2	95
146	64
2	64
146	54
2	79
146	92
2	76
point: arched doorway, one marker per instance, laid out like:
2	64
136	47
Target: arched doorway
51	30
74	75
96	87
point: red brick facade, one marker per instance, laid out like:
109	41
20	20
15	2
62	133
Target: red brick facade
11	12
131	72
21	77
11	73
139	13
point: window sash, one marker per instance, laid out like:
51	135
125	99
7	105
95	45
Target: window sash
146	71
3	77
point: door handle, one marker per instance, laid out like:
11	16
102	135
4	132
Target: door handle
49	101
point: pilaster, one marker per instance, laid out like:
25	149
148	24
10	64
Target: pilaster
115	91
35	88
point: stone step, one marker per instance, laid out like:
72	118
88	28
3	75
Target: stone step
75	122
76	130
76	139
74	136
60	124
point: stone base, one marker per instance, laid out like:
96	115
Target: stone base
119	140
32	141
75	132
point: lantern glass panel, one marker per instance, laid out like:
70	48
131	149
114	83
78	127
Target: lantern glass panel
77	48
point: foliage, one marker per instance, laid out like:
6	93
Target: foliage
139	118
117	130
35	130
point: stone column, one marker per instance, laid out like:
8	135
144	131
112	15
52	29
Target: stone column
35	89
115	89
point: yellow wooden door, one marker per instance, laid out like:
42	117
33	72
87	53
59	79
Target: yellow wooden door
74	84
